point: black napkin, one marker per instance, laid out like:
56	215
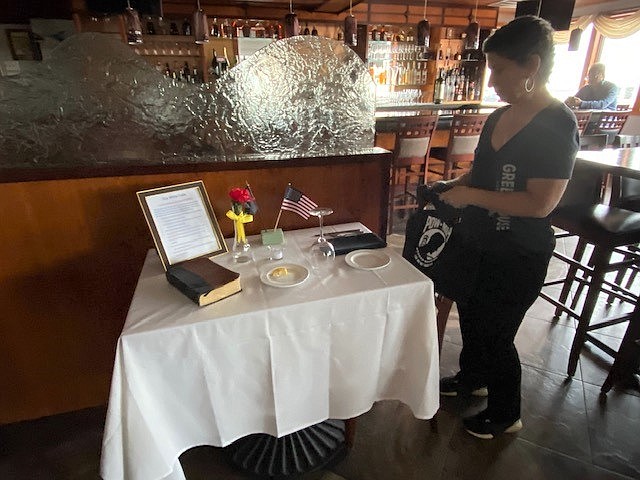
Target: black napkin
343	245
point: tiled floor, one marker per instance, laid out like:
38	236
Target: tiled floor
569	431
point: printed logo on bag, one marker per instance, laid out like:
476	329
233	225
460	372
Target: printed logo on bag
432	241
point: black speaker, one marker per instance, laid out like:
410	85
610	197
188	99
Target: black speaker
144	7
557	12
527	7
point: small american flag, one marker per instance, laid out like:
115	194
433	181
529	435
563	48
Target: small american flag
296	201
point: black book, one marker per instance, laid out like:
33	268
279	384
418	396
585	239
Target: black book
203	281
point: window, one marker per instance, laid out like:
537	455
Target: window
617	55
565	79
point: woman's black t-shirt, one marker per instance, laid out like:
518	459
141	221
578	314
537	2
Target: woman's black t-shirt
545	148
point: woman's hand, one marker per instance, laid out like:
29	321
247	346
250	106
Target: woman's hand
458	197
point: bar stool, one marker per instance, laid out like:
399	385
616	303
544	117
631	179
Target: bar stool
463	139
410	162
582	118
627	359
606	228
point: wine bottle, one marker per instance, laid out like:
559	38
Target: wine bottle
438	90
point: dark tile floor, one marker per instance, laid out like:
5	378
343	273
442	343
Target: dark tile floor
569	431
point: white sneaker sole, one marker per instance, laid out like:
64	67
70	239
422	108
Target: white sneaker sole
515	427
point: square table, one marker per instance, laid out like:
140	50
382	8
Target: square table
266	360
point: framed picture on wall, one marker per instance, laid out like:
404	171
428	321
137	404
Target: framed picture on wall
23	45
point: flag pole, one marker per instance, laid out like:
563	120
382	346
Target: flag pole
280	212
278	219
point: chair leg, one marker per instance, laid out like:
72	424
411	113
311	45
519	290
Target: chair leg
571	275
582	283
600	259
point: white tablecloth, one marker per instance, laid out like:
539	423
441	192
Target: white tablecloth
267	360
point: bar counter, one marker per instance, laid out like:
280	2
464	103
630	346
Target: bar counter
388	119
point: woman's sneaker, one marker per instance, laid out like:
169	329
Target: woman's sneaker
482	426
454	386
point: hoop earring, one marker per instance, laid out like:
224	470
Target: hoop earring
529	88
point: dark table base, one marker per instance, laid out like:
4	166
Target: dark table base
301	452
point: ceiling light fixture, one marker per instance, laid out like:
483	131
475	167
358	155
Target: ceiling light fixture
574	39
423	28
133	25
473	32
291	25
200	25
350	27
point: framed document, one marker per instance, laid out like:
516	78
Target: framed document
22	44
182	222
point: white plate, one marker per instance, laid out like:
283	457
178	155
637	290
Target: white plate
285	275
367	259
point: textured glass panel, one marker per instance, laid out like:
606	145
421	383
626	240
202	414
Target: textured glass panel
96	102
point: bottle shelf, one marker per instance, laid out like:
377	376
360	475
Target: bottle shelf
159	55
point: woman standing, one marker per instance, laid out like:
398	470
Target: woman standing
522	164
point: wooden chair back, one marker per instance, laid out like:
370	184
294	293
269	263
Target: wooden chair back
610	124
411	149
409	164
582	117
463	140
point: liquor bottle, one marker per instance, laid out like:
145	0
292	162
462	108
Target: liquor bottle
438	90
314	31
374	34
215	31
167	70
214	71
151	29
186	72
440	56
226	65
194	75
173	29
186	27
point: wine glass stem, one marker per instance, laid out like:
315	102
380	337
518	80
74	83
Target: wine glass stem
320	221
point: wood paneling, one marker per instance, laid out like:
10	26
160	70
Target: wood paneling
71	251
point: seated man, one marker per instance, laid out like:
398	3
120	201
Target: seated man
598	94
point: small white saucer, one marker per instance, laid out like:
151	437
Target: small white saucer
285	275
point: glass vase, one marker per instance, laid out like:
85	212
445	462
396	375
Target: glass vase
241	249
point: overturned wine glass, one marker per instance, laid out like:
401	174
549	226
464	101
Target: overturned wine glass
322	253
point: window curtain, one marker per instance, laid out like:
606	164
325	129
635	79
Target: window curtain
610	26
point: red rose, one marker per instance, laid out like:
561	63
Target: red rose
240	195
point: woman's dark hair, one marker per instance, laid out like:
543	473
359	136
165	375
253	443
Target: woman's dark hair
522	37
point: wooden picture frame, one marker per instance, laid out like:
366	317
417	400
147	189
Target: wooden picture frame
22	44
182	222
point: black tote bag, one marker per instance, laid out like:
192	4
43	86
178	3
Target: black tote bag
436	247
